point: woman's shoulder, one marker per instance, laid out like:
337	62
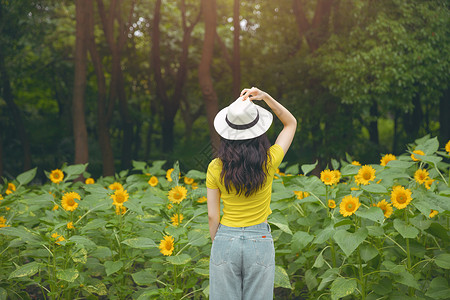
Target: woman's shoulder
215	163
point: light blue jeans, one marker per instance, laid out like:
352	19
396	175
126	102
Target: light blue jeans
242	263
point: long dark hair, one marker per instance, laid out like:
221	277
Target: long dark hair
244	164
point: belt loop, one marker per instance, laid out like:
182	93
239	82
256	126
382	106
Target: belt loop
268	228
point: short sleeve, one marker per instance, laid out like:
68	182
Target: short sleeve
210	176
277	154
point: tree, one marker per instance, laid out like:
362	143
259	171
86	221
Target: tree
209	12
79	86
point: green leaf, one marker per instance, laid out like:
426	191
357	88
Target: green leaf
26	270
139	165
327	277
372	213
318	263
112	267
310	279
292	169
342	287
407	279
399	164
201	271
438	288
281	222
181	259
198	237
74	171
81	240
324	235
430	146
140	243
374	188
176	173
99	288
308	168
343	223
94	224
134	206
196	175
335	164
300	240
68	275
435	229
368	252
79	254
406	231
350	170
281	278
144	277
26	177
443	260
348	242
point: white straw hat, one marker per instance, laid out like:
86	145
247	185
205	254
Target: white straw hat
242	120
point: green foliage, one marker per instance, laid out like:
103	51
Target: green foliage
319	253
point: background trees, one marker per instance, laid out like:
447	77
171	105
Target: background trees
362	77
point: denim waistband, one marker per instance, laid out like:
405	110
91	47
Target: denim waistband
263	226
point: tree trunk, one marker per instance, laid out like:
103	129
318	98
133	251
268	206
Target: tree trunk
79	86
15	114
373	125
236	51
444	117
102	122
209	11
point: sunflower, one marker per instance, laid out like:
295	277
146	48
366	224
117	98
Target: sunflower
420	152
421	176
166	245
116	186
119	197
194	185
3	222
202	199
60	239
188	180
299	194
385	207
337	176
327	177
387	158
153	181
331	203
356	163
400	197
1	197
56	176
365	174
70	225
120	209
55	207
349	205
55	235
68	201
428	183
176	219
433	213
89	181
177	194
169	206
11	188
355	188
447	147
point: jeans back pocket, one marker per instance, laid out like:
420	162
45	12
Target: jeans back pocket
220	250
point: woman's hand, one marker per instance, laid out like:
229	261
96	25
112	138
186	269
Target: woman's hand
252	94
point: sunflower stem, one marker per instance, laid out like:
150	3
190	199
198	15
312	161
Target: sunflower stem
408	254
360	267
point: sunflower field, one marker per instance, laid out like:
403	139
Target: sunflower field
378	231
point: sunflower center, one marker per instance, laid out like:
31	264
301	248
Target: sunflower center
119	198
367	176
177	195
350	206
70	202
56	176
168	246
401	199
328	178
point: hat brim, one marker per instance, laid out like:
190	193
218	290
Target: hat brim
225	131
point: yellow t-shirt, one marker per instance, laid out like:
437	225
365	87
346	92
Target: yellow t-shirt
239	210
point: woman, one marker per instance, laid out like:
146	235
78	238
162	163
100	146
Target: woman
242	263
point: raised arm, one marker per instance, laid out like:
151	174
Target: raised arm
286	135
